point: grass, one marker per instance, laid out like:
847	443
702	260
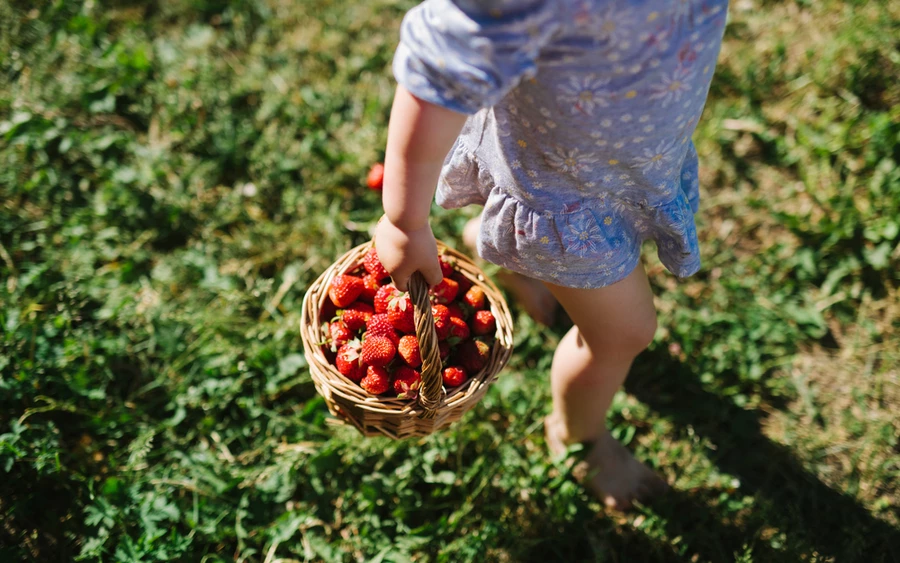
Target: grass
174	175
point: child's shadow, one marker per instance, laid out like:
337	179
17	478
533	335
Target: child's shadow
794	513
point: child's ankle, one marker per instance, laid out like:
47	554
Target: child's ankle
557	427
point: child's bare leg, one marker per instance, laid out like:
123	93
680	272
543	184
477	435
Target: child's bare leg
612	326
530	294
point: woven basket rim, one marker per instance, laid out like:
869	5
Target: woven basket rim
339	391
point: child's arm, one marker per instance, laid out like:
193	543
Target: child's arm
420	135
455	57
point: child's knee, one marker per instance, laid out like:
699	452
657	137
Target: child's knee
637	333
629	338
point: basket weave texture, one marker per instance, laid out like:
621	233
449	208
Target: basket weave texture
435	408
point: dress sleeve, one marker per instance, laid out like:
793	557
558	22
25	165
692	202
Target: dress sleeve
465	55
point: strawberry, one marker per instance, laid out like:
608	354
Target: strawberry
328	311
454	376
375	177
356	316
444	349
376	381
330	355
344	290
464	283
446	265
483	323
459	328
347	361
384	296
373	265
473	355
456	311
408	348
441	316
370	288
407	382
380	325
400	313
377	351
474	297
446	291
340	334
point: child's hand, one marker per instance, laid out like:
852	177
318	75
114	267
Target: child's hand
404	252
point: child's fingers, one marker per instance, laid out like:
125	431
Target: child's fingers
433	274
401	281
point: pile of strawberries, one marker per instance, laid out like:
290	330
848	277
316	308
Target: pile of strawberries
371	335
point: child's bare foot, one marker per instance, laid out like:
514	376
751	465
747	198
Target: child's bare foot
609	470
532	295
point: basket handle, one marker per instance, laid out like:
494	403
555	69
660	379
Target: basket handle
432	393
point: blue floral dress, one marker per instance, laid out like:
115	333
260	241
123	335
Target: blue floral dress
578	141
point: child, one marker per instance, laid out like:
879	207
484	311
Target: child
570	121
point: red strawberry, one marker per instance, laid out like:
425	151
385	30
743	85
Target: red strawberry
475	297
344	290
400	313
483	323
347	361
473	355
407	382
408	348
456	311
380	325
373	265
441	316
340	334
446	265
464	283
328	311
454	376
377	351
376	381
375	178
444	349
458	328
370	288
356	316
446	291
384	296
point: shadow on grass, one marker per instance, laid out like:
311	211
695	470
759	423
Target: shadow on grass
702	536
593	540
813	517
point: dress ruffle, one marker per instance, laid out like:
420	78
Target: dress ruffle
583	246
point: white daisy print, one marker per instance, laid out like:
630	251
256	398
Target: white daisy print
656	159
613	26
570	161
585	93
582	236
671	87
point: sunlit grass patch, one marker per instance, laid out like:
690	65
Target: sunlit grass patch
173	175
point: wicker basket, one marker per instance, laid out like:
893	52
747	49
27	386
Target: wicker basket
435	408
